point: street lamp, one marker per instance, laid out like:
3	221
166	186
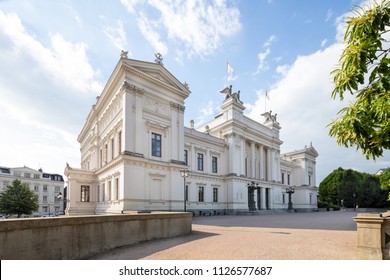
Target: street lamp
184	173
354	202
290	191
252	186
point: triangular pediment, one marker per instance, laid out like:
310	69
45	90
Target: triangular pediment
156	72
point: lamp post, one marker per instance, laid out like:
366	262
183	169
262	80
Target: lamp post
290	191
354	202
251	193
184	174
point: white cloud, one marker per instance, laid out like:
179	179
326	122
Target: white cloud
148	29
323	42
282	69
63	60
196	27
262	56
329	15
42	96
205	113
117	35
302	99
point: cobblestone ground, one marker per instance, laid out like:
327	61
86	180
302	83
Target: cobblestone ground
288	236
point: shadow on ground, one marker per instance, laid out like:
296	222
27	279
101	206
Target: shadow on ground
144	249
332	220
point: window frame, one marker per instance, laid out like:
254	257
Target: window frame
156	144
85	193
200	162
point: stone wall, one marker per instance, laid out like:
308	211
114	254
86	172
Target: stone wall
79	237
373	236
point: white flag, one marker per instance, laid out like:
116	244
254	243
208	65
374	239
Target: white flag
230	71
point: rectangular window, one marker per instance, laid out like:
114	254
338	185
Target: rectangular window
309	180
17	173
201	194
282	178
288	179
215	194
119	142
104	191
156	145
200	162
36	188
84	193
186	157
98	193
214	164
106	153
57	209
112	148
36	176
27	175
44	198
284	198
45	209
45	188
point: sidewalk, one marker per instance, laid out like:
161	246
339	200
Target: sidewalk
287	236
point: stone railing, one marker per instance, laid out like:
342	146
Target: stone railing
78	237
373	236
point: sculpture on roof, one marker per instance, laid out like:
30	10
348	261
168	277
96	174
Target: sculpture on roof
159	58
124	54
228	92
269	117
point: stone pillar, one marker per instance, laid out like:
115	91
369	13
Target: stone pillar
261	148
128	123
263	204
243	154
269	165
139	124
370	237
252	157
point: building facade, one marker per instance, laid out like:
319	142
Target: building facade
134	145
49	188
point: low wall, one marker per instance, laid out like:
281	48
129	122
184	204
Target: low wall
373	236
82	236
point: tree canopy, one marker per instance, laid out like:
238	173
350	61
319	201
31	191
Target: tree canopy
384	179
352	187
18	199
364	71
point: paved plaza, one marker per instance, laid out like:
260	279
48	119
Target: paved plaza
285	236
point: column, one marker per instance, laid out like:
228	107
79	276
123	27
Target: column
243	154
231	153
261	148
262	191
181	134
128	123
270	198
269	165
252	157
139	141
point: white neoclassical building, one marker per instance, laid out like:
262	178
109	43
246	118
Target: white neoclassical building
134	145
48	187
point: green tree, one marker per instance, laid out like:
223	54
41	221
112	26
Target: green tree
384	179
18	199
352	187
364	71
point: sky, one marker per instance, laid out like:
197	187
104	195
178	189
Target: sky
56	56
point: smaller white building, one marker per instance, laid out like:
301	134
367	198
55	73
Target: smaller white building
49	188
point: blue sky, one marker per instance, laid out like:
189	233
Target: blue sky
56	56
